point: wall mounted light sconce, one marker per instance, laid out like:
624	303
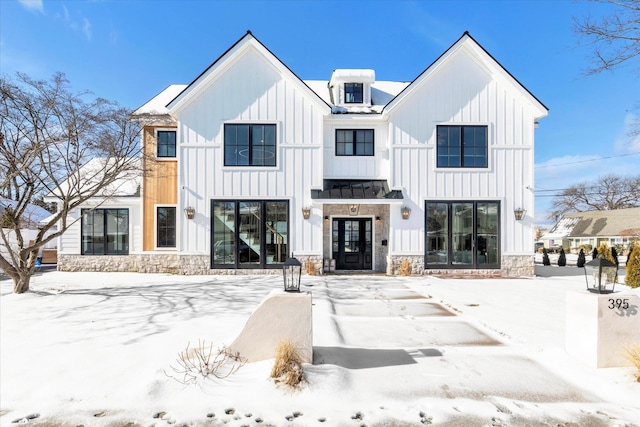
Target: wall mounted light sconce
519	213
326	218
406	212
190	212
306	212
378	219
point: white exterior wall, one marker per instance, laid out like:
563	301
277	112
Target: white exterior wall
251	90
70	243
356	167
463	91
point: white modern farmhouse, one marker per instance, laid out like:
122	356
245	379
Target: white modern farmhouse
249	164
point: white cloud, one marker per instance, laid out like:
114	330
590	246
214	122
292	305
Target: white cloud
74	23
86	28
629	139
35	5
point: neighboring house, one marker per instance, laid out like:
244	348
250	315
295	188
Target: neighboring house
617	227
249	164
30	221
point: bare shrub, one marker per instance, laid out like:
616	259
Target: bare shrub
405	268
310	268
287	368
197	363
632	352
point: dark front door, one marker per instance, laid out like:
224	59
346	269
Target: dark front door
351	240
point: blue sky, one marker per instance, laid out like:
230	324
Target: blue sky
128	51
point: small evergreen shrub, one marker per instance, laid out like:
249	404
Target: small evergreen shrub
562	259
545	257
581	259
594	254
632	277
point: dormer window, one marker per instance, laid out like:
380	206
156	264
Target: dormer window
351	88
353	93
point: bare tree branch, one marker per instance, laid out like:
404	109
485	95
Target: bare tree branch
606	193
64	145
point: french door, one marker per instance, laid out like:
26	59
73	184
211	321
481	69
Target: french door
352	243
462	234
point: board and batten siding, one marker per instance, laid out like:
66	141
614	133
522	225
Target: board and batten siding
465	92
356	167
251	90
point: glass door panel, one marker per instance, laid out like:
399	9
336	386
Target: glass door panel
224	226
487	231
276	229
437	233
462	233
249	232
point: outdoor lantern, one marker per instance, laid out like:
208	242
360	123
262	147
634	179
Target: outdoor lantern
190	212
291	272
306	212
600	275
405	211
519	213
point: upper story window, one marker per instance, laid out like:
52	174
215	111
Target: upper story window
462	146
353	93
249	145
354	142
166	146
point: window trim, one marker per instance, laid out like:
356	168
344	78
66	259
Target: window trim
461	126
250	124
354	85
156	144
84	211
155	228
355	143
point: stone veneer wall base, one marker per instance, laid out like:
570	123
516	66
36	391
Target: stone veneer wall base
512	266
170	264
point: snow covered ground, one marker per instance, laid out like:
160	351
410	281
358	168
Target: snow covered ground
98	349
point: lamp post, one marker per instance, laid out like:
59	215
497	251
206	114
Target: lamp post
604	274
291	272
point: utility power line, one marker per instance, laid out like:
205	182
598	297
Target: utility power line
587	161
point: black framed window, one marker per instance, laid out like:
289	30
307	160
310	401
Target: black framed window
353	93
166	143
462	146
249	145
166	227
105	231
462	234
354	142
249	233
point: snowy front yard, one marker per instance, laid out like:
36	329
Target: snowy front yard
97	349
